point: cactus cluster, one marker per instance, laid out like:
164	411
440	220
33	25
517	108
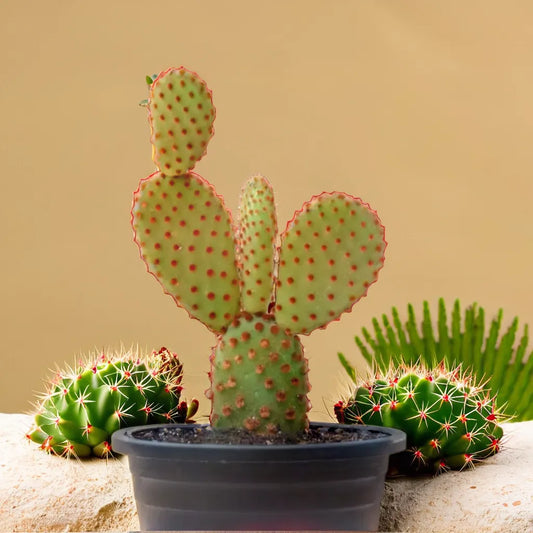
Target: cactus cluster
256	295
84	406
450	422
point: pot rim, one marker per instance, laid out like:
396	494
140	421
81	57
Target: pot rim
393	441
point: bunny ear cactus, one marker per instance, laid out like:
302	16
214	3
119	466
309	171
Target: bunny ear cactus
450	422
83	407
257	297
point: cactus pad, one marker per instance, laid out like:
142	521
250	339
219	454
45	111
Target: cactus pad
330	254
256	244
450	423
259	378
181	120
83	407
185	236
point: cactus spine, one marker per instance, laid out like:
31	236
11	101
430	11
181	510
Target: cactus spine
255	296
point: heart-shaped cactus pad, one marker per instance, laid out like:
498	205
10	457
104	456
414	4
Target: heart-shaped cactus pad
331	252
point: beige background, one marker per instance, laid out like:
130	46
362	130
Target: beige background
423	109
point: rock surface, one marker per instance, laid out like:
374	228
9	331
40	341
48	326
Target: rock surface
39	492
497	496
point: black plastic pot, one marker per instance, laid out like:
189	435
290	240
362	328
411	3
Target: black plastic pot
333	486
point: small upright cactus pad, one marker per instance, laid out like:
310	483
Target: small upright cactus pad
181	120
450	422
330	254
83	407
256	244
185	236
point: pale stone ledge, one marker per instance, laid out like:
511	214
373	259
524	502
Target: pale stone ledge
497	496
39	492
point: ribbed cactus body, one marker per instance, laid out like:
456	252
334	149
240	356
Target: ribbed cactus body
84	407
450	423
259	378
497	354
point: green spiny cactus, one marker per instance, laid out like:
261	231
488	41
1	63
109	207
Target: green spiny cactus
255	296
83	407
450	422
500	360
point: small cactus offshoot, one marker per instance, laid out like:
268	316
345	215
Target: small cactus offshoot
450	422
256	292
84	406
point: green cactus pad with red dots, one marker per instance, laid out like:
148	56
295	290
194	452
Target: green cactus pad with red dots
256	244
185	237
181	119
330	254
450	423
259	378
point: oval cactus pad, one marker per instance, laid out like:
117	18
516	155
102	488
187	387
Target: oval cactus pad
181	120
330	254
185	237
259	378
256	244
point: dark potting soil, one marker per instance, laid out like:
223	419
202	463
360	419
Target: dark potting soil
207	435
